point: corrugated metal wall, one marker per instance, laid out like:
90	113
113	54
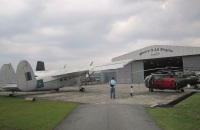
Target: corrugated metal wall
124	74
130	74
137	72
107	75
191	61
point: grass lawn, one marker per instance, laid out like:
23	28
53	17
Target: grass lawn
18	114
184	116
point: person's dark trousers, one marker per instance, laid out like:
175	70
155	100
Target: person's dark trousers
112	92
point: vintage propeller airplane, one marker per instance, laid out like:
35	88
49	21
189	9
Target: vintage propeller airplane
171	78
26	80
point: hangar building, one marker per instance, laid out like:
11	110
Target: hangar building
129	68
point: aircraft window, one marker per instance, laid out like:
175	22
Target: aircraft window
60	80
40	83
65	78
69	77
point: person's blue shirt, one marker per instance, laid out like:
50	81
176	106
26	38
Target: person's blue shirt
113	82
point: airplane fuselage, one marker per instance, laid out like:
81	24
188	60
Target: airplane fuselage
46	82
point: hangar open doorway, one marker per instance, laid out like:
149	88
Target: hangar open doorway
161	63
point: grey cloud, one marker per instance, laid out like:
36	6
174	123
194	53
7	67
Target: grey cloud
168	24
72	31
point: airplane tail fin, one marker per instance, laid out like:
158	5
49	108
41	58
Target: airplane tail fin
40	66
25	76
7	75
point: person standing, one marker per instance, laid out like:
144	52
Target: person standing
112	87
131	91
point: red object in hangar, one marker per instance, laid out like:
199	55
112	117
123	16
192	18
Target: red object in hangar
166	83
171	79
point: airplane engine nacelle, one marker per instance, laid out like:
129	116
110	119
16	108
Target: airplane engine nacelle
7	75
25	76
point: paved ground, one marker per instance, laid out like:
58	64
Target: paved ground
108	117
99	94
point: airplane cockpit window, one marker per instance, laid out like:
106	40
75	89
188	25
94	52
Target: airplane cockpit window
157	77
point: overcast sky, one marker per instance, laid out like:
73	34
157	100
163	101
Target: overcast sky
77	32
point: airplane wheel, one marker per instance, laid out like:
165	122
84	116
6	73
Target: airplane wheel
82	89
182	90
151	89
57	89
11	95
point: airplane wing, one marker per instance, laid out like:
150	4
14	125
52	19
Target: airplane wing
112	65
76	72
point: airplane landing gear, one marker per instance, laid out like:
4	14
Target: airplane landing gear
57	89
151	89
12	94
82	89
182	90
